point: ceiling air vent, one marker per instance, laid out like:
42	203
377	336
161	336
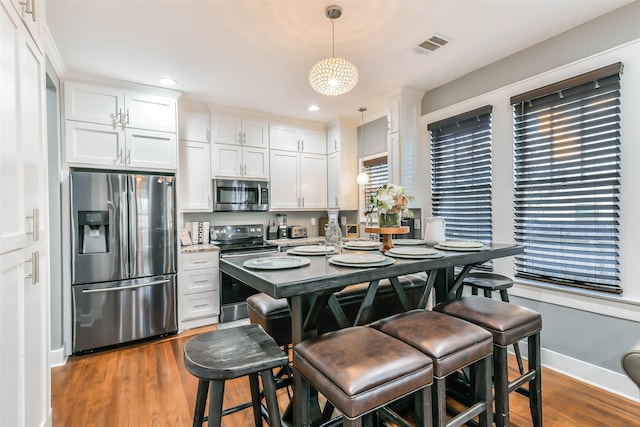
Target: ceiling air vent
433	43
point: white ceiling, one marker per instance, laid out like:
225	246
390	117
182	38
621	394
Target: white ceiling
256	54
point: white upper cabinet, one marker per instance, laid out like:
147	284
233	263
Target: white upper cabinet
32	14
298	180
302	140
195	177
333	140
342	166
240	162
237	130
194	121
119	108
113	127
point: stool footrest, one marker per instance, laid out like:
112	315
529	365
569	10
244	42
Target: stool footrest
514	385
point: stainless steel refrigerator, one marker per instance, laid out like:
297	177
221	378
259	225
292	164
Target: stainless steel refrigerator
124	257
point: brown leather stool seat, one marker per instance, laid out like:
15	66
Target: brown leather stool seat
508	323
490	283
359	369
452	344
275	317
220	355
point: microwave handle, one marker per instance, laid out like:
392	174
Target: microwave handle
259	194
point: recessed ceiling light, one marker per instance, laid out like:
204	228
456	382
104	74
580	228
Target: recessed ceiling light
313	108
168	82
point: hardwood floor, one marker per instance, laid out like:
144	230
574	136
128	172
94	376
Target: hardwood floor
147	385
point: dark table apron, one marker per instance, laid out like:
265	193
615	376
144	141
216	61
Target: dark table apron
311	287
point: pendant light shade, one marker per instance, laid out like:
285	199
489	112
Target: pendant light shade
333	76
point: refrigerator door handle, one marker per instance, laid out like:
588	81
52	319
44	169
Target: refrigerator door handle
122	288
133	225
124	232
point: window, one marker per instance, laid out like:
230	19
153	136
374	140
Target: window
567	181
461	174
378	171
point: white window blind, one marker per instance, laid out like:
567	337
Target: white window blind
567	181
461	174
378	171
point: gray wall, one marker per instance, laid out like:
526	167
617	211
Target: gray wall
586	336
375	138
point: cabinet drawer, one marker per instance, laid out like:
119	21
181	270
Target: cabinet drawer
199	260
200	280
202	304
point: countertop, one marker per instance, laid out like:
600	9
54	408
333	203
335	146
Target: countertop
305	241
198	248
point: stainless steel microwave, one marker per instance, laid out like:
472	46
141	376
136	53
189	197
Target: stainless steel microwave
240	195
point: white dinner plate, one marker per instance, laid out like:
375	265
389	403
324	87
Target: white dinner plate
310	250
461	244
403	242
359	258
453	248
386	261
276	263
412	250
363	245
435	255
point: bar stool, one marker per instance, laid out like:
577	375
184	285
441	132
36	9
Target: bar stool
359	370
220	355
452	344
508	323
490	283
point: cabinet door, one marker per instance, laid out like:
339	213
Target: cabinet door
333	140
313	141
284	184
194	124
226	129
333	180
93	104
313	181
254	133
32	13
94	144
152	112
226	160
195	177
282	137
256	162
150	149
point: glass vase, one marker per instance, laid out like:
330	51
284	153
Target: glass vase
389	219
333	235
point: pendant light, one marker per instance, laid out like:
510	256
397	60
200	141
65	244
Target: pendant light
362	178
333	76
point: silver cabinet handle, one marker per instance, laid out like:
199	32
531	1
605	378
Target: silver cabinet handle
127	117
240	138
122	288
244	138
302	143
128	159
30	8
35	220
35	268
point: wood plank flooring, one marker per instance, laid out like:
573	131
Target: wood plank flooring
147	385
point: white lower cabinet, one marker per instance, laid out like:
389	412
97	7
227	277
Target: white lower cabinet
198	281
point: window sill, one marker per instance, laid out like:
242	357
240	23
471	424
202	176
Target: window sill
581	299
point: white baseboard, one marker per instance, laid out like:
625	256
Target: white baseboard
57	357
597	376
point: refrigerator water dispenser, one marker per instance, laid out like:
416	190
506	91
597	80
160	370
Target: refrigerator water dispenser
94	231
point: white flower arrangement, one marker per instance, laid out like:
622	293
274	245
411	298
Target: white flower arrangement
391	198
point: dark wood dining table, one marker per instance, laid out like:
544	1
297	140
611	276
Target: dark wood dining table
310	288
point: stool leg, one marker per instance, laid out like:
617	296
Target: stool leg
254	385
201	401
268	384
474	290
439	405
422	399
535	385
488	293
516	348
501	379
482	390
216	392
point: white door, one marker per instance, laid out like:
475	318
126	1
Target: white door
194	125
284	187
313	181
94	144
282	137
153	112
256	162
150	149
254	133
313	141
226	160
195	177
93	104
226	129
